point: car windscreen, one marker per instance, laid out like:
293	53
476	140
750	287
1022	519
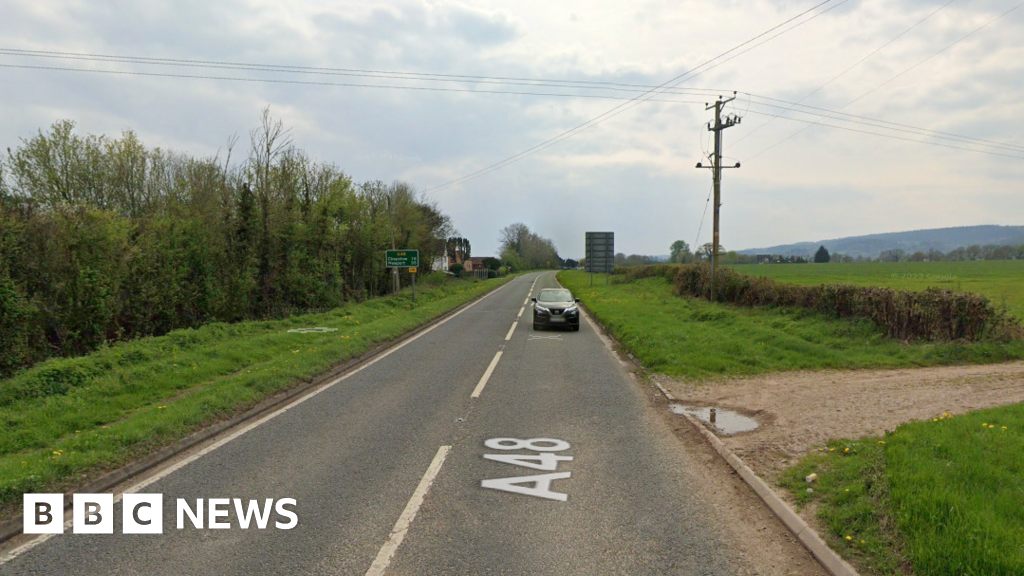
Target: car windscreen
555	296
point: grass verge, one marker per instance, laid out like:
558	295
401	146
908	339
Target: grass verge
66	420
939	497
695	339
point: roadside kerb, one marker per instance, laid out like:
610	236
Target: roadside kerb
13	527
803	532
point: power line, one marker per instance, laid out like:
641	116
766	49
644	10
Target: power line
627	105
696	241
419	76
828	113
818	123
351	72
837	76
648	92
947	47
869	120
341	84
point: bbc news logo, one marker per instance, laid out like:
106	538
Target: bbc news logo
144	514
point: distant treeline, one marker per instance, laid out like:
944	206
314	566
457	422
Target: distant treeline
988	252
680	254
104	239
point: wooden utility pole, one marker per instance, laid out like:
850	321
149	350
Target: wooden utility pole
716	173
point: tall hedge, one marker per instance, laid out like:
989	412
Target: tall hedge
104	239
932	314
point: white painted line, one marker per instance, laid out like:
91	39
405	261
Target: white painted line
15	552
521	312
487	375
525	302
380	564
510	331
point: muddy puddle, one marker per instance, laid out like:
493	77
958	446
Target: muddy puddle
723	420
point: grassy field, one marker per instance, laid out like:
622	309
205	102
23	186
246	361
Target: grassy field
942	497
1002	281
66	419
695	339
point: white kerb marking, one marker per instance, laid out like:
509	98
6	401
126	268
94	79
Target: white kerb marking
510	331
487	376
239	432
380	564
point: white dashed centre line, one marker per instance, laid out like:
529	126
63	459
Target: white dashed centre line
520	315
487	376
380	564
510	331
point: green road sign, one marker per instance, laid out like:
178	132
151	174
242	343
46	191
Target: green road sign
402	258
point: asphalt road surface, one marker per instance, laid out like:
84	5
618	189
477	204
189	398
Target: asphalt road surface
389	474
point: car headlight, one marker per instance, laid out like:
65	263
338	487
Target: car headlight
540	308
571	309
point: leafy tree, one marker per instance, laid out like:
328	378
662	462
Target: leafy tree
822	255
679	252
705	251
531	250
894	255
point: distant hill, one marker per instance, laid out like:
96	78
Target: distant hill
942	239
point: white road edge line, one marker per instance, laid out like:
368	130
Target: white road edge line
17	551
380	564
487	375
510	331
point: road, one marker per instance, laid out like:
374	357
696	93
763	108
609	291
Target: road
387	468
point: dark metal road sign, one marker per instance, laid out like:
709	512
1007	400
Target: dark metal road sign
600	252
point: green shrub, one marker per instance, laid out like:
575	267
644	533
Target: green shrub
625	275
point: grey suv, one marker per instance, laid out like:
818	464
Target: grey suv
555	307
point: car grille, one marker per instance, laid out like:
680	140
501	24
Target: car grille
557	310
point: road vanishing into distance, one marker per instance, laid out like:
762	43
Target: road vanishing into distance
400	468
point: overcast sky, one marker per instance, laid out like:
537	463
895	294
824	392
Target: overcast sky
633	174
